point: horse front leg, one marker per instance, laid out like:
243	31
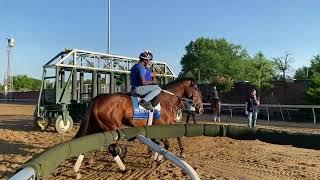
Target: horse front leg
158	157
166	143
181	147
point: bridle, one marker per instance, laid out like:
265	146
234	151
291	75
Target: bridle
191	92
194	89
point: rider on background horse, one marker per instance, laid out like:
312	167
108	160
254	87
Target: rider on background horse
215	97
140	85
216	105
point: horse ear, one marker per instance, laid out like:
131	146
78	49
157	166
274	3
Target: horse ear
193	83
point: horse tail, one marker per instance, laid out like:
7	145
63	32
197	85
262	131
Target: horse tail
85	122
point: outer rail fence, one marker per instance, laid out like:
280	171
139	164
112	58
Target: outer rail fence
266	107
42	166
18	100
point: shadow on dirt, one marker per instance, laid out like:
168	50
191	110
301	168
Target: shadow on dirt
17	123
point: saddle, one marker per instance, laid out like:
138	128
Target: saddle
140	112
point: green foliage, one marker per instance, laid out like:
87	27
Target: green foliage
315	64
283	64
23	83
212	57
302	73
313	92
222	82
223	63
260	71
307	72
1	88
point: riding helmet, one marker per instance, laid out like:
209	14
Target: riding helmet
146	55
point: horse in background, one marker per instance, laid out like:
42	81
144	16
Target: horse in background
216	106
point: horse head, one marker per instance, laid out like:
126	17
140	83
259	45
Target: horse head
194	91
186	88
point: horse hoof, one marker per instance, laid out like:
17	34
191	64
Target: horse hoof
154	164
160	157
124	171
91	161
158	163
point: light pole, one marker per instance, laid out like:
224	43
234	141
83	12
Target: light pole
8	86
108	77
259	83
109	21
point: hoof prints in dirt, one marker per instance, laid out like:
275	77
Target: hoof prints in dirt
211	157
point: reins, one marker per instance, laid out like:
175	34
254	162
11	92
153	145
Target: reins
168	92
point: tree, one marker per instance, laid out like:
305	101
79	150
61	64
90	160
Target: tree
313	92
213	57
260	71
307	72
23	82
315	64
302	73
1	88
283	64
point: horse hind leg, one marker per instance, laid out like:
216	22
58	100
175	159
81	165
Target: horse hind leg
117	152
181	147
166	146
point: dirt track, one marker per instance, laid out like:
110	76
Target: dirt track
212	158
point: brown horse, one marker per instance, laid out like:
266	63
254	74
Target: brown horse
216	106
108	112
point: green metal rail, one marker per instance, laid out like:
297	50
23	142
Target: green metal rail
47	161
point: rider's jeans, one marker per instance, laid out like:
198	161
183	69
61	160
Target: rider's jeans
150	91
252	119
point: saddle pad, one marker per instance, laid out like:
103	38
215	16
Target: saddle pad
140	112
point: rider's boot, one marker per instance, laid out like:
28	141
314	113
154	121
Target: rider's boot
146	105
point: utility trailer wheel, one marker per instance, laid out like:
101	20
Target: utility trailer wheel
59	125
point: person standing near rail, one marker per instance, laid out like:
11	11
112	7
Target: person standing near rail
251	108
191	110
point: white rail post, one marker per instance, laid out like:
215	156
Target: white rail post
268	114
26	173
314	117
182	164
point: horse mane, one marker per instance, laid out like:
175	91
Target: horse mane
174	83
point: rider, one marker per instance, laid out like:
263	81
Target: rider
215	97
139	84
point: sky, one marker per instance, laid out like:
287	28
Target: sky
43	28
